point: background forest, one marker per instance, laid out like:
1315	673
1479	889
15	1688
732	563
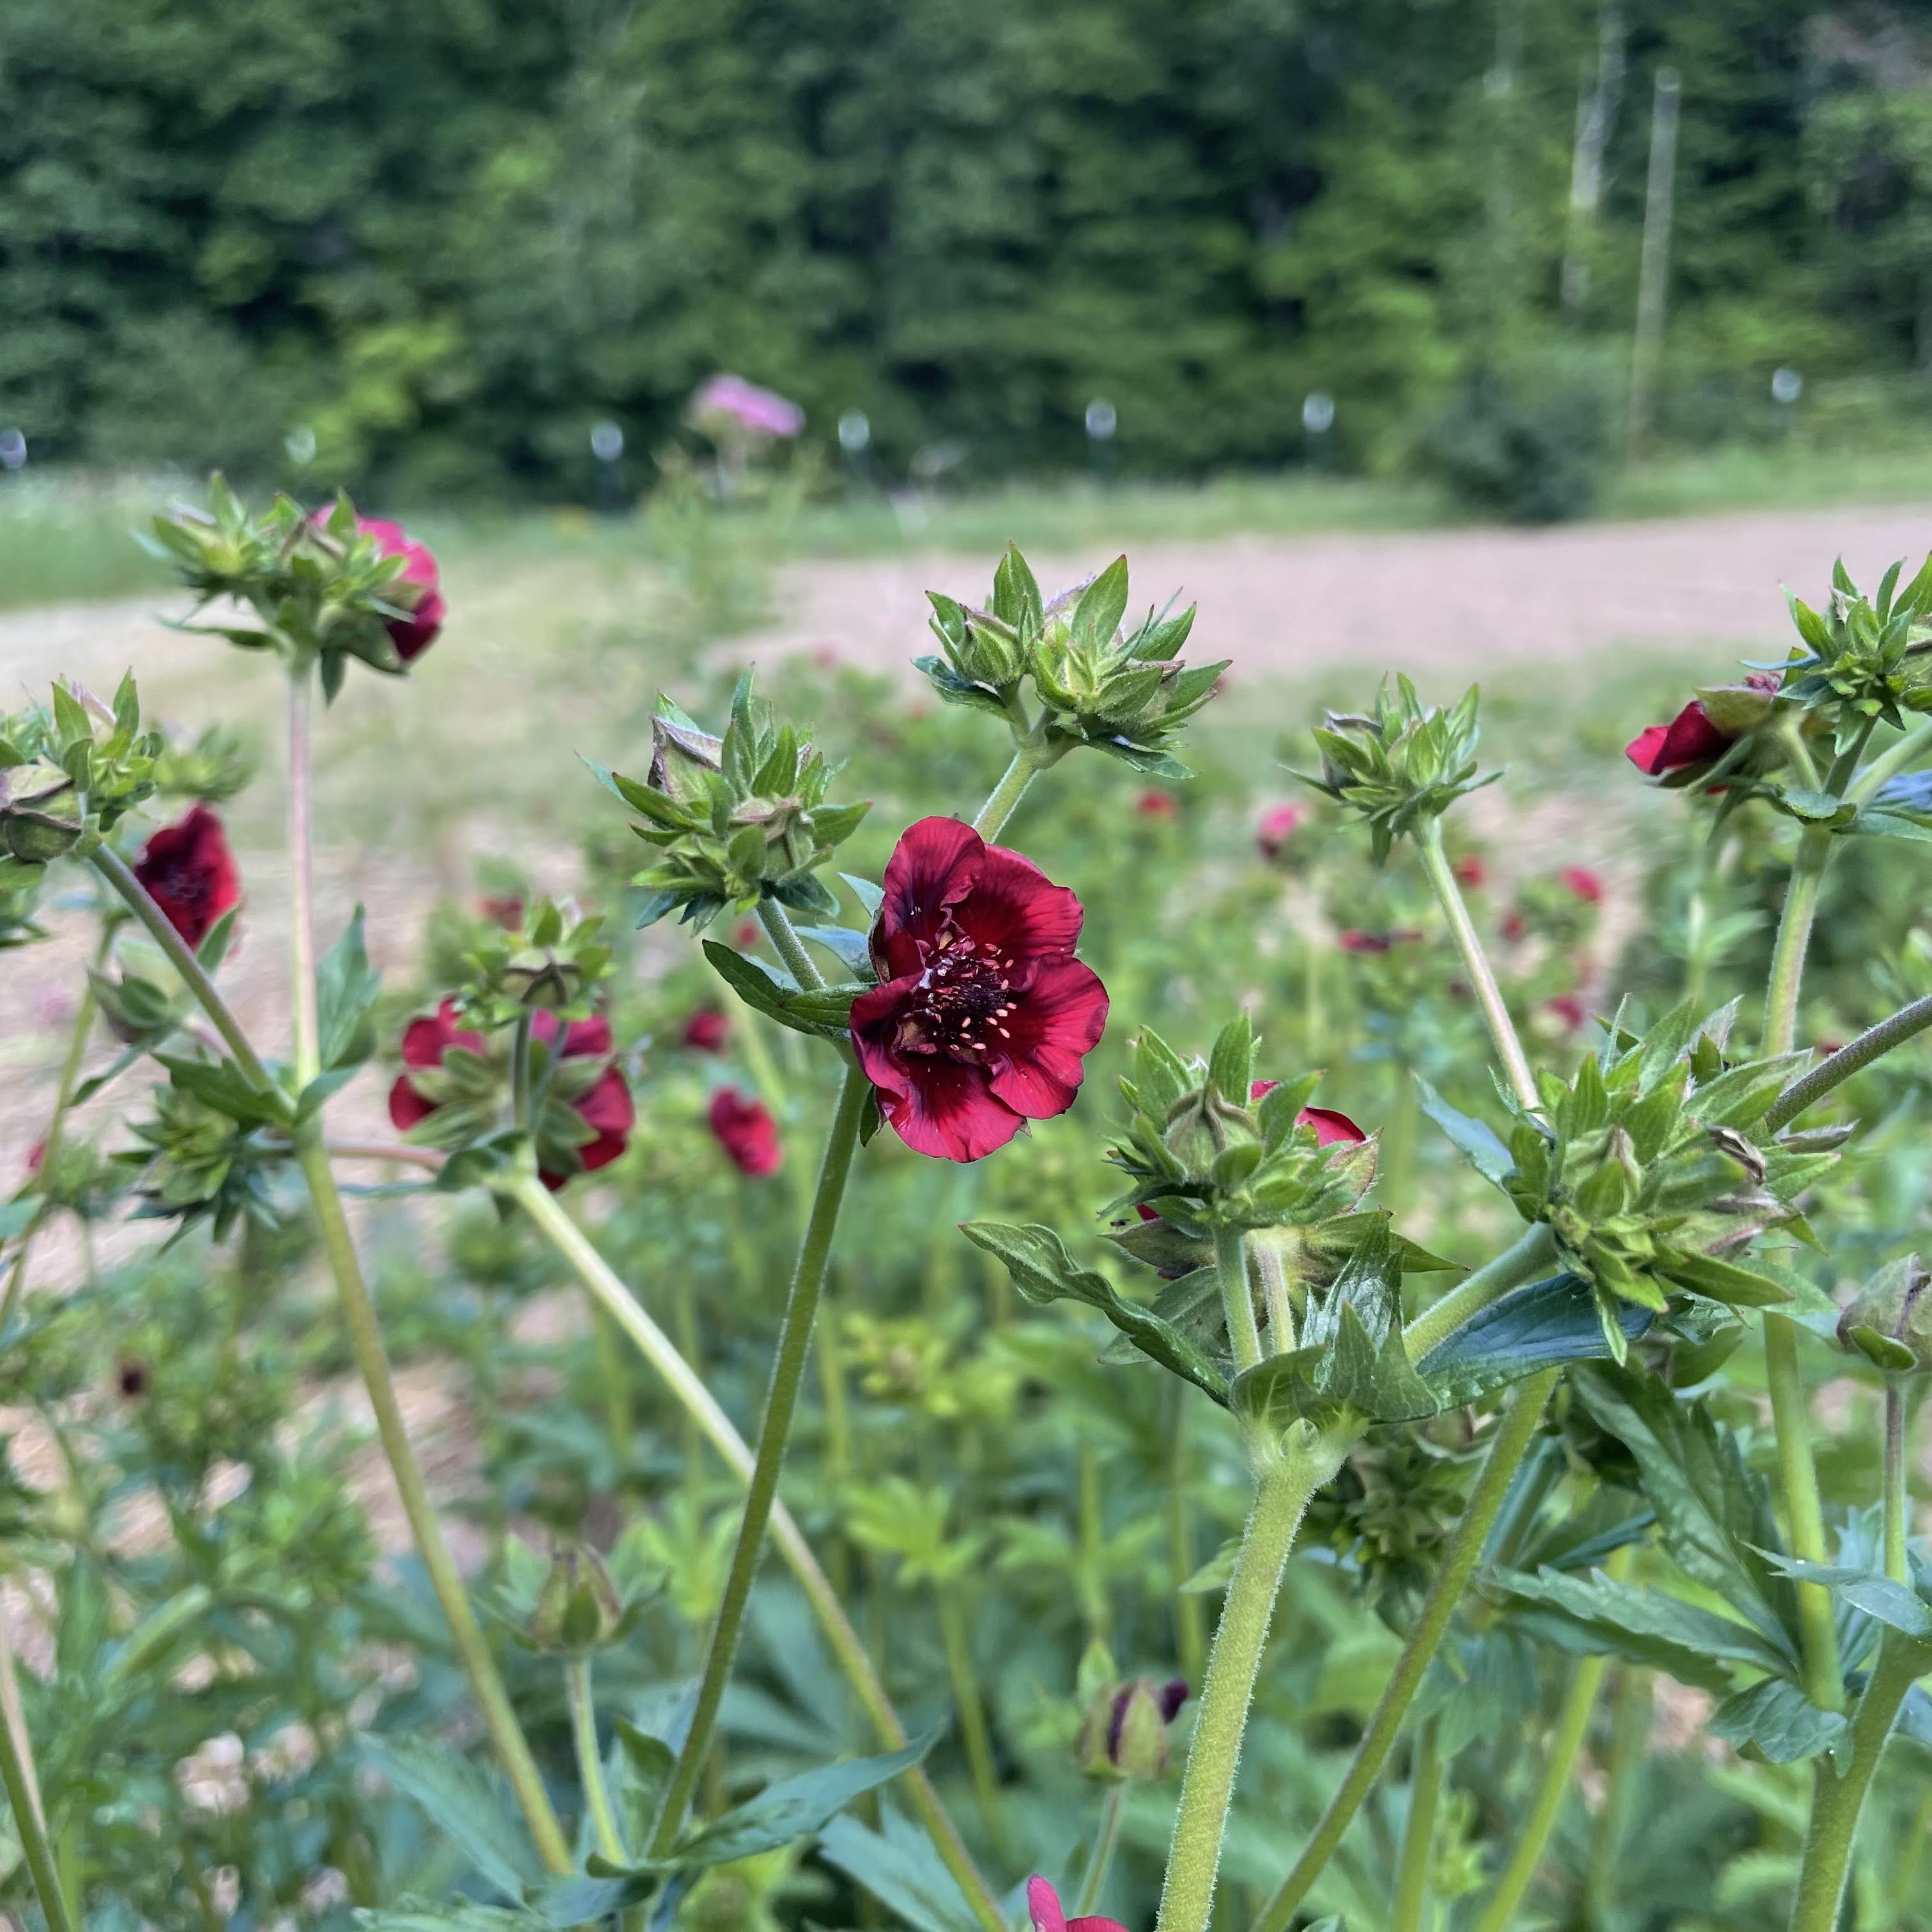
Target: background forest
427	247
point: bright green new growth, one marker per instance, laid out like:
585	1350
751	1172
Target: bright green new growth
737	821
1401	766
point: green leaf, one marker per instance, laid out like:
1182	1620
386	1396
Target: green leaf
898	1865
225	1088
1485	1148
1779	1720
795	1807
869	894
1722	1281
213	946
1595	1613
1880	1596
1715	1513
470	1801
851	949
1102	605
345	986
1043	1271
1539	1326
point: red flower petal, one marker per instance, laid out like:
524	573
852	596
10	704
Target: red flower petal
1584	882
425	1040
406	1106
746	1131
1278	825
1013	905
1331	1128
1059	1021
934	1105
707	1031
996	896
926	875
1689	738
1044	1908
188	871
609	1107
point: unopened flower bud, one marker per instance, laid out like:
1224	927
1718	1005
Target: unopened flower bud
1889	1320
1124	1734
579	1609
682	753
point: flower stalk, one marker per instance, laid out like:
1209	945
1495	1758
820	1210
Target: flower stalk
1520	1417
30	1829
589	1761
1418	1837
1288	1480
781	1403
548	1214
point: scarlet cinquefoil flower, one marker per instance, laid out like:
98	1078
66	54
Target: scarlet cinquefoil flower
413	634
746	1131
1584	884
1694	736
189	872
605	1106
1156	804
983	1016
707	1031
1048	1914
1279	824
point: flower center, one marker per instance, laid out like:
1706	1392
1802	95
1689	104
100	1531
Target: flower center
963	998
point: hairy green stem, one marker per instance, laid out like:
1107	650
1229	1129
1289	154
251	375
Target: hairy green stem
301	861
1840	1796
1190	1637
114	869
1794	941
1286	1482
784	935
365	1338
1272	1265
1231	1260
1532	1254
1852	1058
1475	963
30	1829
975	1738
520	1070
589	1761
597	1277
1418	1837
1630	1736
1030	758
1520	1416
53	1140
1896	1502
1559	1771
1099	1861
780	1402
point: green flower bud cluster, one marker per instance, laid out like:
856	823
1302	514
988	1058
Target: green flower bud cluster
65	781
215	767
1889	1320
198	1162
735	820
574	1604
1123	1723
1865	662
1401	766
1645	1169
1122	693
318	587
552	962
1208	1147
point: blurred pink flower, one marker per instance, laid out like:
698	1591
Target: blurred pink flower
755	411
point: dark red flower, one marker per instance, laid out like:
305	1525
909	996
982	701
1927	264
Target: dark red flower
1156	804
1512	926
189	873
419	590
503	909
707	1031
982	1015
1584	884
1352	941
1044	1908
606	1107
1569	1008
746	934
746	1131
1278	825
1471	871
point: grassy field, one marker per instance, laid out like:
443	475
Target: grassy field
64	540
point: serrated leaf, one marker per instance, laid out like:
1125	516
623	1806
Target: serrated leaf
898	1865
1779	1720
345	986
1539	1326
469	1801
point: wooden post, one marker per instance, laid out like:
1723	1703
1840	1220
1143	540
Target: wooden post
1597	100
1653	273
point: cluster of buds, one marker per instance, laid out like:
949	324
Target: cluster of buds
1208	1146
1123	1725
204	1156
1124	693
1865	662
212	769
735	820
1645	1168
325	587
544	959
1404	765
65	780
1889	1320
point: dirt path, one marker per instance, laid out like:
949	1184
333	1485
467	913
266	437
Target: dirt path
1415	600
